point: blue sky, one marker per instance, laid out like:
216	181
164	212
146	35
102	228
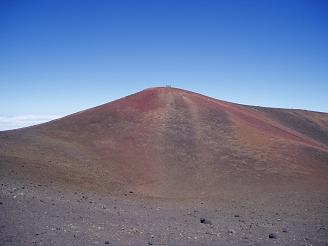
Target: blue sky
58	57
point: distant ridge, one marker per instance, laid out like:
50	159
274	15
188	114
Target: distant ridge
168	142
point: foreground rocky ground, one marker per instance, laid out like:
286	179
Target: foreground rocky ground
37	214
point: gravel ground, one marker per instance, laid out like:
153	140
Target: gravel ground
38	214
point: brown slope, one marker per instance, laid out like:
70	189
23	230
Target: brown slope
173	143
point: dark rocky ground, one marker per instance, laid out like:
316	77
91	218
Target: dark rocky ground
38	214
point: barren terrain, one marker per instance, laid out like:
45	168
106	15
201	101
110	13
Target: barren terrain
167	167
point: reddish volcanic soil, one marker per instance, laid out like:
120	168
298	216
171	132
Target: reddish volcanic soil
169	144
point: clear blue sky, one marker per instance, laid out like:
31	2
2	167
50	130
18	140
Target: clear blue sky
58	57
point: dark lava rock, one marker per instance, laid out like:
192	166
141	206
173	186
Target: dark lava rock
237	216
107	242
273	236
284	230
205	221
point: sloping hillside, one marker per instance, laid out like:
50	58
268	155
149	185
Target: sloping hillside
168	142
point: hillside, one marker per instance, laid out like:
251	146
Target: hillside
167	142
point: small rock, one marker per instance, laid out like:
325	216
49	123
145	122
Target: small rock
205	221
284	230
107	242
273	236
237	216
1	203
231	231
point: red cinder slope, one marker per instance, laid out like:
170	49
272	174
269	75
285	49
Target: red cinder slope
168	142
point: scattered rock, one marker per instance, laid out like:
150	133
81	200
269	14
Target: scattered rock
273	236
107	242
231	231
237	216
284	230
